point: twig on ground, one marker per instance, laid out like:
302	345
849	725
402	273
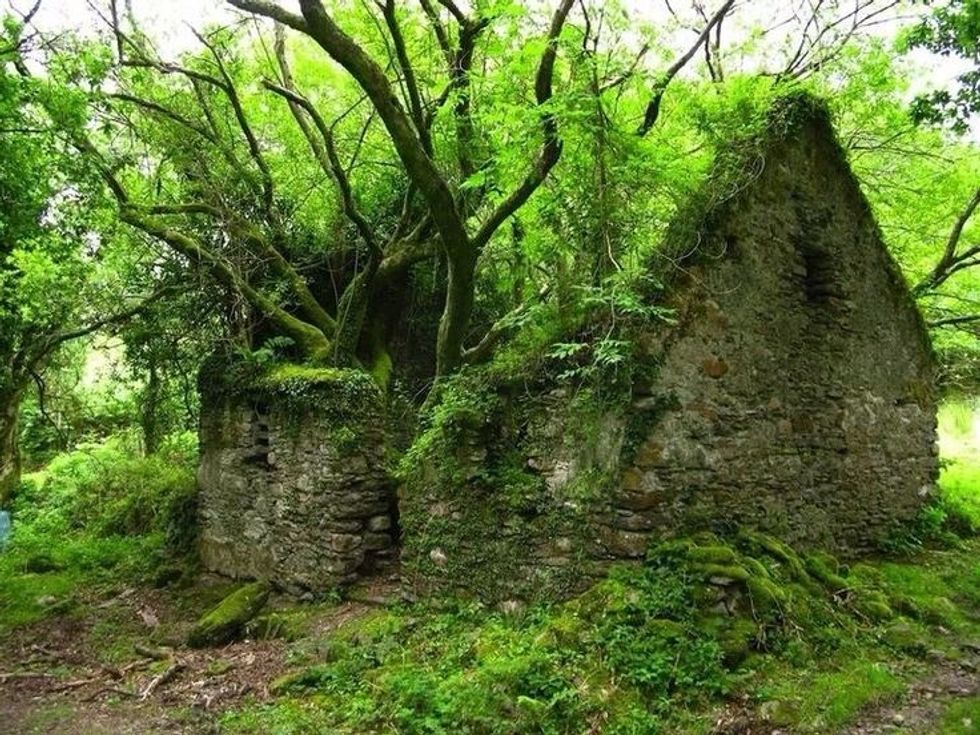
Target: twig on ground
25	675
175	668
73	684
108	690
157	654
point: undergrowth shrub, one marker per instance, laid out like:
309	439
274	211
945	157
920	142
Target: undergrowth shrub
951	516
100	513
959	484
106	490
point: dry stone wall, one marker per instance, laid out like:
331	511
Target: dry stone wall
293	481
799	378
794	395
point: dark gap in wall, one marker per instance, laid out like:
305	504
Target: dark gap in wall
731	246
819	280
261	440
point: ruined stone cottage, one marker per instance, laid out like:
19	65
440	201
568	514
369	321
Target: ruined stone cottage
293	482
791	393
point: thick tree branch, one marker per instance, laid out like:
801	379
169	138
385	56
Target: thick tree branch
273	11
483	349
408	73
311	340
550	151
950	262
653	107
403	255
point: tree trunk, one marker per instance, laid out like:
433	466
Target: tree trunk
149	412
456	315
9	449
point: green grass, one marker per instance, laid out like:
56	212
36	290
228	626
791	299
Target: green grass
833	698
959	441
95	518
74	569
960	486
26	598
962	718
638	653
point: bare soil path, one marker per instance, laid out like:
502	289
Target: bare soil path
59	677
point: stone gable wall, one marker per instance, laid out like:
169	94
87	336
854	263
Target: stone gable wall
799	378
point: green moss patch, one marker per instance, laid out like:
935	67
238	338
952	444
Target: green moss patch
227	621
652	648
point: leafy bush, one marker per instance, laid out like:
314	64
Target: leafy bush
960	486
96	514
104	490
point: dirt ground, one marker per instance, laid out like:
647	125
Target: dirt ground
58	678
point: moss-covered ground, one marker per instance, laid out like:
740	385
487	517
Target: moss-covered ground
707	636
701	632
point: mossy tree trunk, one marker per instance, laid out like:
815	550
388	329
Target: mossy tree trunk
10	465
150	410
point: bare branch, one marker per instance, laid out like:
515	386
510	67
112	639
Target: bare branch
408	72
458	14
166	112
653	107
955	321
484	348
371	77
950	262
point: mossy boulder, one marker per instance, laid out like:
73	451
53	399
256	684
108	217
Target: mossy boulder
288	627
825	569
905	637
735	636
767	597
723	575
782	712
757	542
714	555
873	605
227	621
938	611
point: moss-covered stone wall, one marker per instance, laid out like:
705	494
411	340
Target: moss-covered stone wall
793	395
800	374
294	487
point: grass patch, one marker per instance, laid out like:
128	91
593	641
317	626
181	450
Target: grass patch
960	486
830	697
651	649
962	718
97	517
